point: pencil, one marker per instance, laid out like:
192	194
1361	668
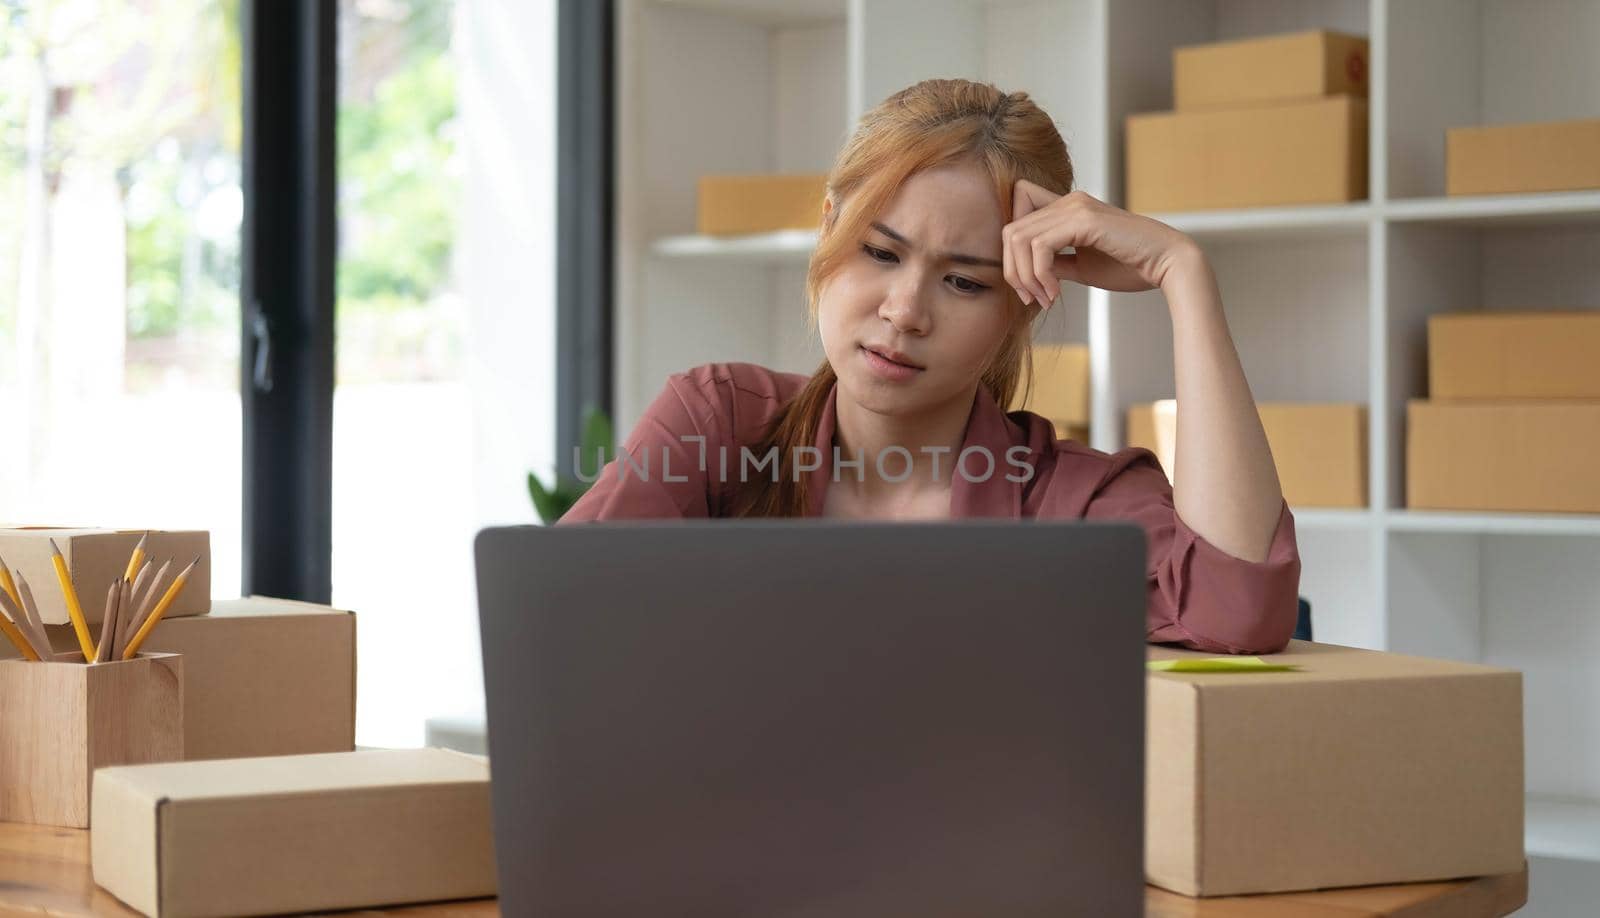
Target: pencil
158	611
135	602
136	558
131	624
9	610
30	611
108	625
124	612
74	610
8	584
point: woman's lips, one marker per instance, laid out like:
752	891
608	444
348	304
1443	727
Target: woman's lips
886	368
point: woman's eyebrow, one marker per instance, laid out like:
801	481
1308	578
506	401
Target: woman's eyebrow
948	256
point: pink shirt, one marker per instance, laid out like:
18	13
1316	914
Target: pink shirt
1199	596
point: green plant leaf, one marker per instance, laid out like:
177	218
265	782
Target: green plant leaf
547	503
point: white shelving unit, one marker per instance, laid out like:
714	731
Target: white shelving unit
1325	303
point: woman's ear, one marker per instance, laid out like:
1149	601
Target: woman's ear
827	217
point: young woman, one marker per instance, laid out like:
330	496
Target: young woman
941	240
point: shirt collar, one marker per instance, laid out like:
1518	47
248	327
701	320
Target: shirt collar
987	426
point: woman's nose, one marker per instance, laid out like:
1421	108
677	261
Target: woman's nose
903	306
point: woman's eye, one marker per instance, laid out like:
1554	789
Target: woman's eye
971	286
874	253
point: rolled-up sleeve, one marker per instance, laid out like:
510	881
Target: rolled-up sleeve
659	471
1199	595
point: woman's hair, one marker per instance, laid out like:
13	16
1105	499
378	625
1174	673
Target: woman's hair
934	123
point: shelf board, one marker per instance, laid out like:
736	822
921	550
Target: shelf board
1565	829
782	247
1274	222
770	12
1490	523
1330	518
1501	210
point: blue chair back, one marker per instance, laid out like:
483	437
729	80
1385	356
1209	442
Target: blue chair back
1302	626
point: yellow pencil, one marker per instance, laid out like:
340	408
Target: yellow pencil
138	556
158	611
74	610
10	631
9	584
130	624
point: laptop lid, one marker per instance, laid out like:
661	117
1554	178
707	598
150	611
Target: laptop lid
812	717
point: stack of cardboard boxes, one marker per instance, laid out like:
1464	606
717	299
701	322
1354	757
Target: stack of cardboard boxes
1257	122
1320	449
1513	422
252	676
284	814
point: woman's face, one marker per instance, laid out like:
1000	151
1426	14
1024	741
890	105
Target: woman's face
926	284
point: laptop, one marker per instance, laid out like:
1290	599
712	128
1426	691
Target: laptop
816	718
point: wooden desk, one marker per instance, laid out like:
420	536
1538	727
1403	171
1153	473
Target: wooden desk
44	869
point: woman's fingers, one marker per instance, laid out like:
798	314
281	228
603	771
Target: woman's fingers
1017	243
1045	247
1009	265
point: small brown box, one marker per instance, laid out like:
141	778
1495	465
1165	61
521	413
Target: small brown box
1503	455
1284	153
1060	388
739	204
1489	355
98	557
266	677
61	720
1523	158
1320	449
1274	68
1356	768
305	833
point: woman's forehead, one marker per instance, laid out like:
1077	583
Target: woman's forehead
946	208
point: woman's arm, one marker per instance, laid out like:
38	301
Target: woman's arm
1225	485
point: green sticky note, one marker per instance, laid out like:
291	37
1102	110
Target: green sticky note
1218	665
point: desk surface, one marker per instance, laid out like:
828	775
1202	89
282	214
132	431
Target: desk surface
45	869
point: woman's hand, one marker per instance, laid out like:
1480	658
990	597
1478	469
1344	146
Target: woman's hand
1113	249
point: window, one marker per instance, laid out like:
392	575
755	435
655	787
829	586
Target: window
446	321
119	267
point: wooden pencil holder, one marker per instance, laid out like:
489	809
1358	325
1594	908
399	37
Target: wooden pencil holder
61	720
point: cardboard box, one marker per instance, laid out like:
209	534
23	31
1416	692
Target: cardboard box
1274	68
96	557
1078	432
264	676
1523	158
1508	455
1154	426
61	720
1060	388
1515	355
735	204
1358	768
294	834
1320	449
1284	153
